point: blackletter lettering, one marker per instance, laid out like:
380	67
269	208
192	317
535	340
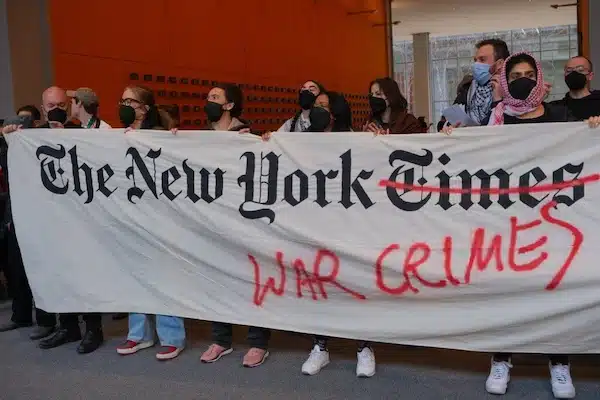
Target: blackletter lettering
103	179
204	184
466	201
247	181
87	172
136	161
558	177
355	185
51	170
408	178
321	179
166	182
524	196
288	192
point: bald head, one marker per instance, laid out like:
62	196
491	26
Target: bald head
52	98
579	62
54	95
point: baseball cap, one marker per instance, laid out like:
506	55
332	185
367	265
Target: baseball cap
85	95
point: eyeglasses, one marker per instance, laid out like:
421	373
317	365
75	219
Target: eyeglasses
128	102
580	68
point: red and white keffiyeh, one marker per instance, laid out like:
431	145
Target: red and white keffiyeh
515	107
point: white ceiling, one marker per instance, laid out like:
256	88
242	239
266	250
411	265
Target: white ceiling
455	17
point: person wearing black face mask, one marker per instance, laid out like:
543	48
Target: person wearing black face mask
224	108
306	99
582	102
523	92
389	114
54	107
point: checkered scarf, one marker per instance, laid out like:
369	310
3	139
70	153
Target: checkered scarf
479	101
515	107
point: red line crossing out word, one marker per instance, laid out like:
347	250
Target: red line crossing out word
546	188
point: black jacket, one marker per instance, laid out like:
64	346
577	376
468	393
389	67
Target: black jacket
581	109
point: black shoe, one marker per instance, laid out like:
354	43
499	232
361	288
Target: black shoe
40	332
91	341
11	326
119	316
62	336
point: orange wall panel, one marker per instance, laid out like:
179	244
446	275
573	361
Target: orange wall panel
266	42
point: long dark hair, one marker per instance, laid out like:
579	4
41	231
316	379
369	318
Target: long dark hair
397	103
155	118
341	112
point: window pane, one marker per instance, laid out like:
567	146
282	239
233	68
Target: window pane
466	45
444	79
574	36
409	52
526	40
554	73
443	48
408	91
561	54
556	37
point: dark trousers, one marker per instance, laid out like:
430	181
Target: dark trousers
321	341
554	358
19	287
222	335
70	321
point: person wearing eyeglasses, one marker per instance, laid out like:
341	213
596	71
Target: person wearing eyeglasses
582	102
138	111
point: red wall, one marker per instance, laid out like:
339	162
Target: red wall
274	43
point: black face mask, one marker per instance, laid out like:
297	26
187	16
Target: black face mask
214	111
378	105
57	115
126	115
521	88
306	99
320	119
576	80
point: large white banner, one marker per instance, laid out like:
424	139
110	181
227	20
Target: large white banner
490	245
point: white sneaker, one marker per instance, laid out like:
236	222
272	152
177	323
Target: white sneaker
497	382
318	359
365	365
562	384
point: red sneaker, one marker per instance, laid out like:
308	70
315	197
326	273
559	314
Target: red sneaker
131	347
168	353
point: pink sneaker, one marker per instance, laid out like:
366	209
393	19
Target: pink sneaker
255	357
131	347
168	353
214	353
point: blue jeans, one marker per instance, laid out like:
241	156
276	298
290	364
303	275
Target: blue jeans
170	330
